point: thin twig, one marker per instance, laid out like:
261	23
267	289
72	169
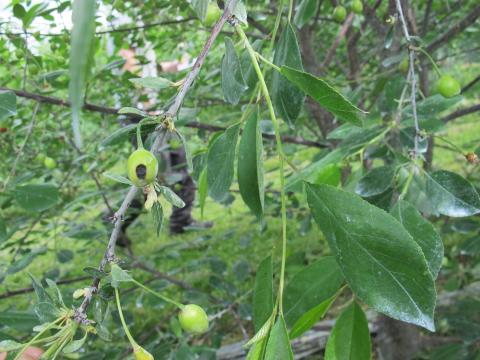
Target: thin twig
113	111
411	54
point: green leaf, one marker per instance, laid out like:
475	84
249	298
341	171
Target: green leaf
18	320
257	350
310	318
119	275
157	213
287	99
202	190
452	195
304	12
250	166
350	336
81	46
383	265
263	293
42	295
347	147
9	345
220	163
119	135
423	232
118	178
248	70
37	197
278	346
151	82
171	197
188	154
130	110
8	104
200	7
325	94
376	181
57	295
307	289
46	311
3	231
233	83
25	260
74	346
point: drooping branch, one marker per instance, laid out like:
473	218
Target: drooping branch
461	112
112	111
80	314
456	29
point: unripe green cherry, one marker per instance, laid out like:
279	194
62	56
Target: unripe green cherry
403	65
49	163
193	319
357	7
448	86
213	14
142	167
339	13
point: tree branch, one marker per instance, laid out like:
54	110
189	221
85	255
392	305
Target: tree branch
461	112
113	111
455	29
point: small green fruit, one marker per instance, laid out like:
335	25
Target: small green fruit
49	163
213	14
142	167
357	7
403	66
193	319
448	86
142	354
339	14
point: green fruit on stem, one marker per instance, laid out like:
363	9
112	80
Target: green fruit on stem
142	354
142	167
339	14
49	163
213	14
448	86
193	319
357	7
403	66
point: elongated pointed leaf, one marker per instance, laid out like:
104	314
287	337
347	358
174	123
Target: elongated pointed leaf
376	181
83	33
383	265
220	163
350	337
286	97
37	197
263	293
308	319
452	195
233	83
325	94
8	104
304	12
250	166
423	232
307	289
278	346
